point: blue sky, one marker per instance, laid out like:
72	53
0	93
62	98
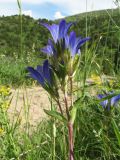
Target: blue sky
53	9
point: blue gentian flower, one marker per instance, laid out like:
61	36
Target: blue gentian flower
49	49
74	43
71	42
42	73
58	31
111	102
60	36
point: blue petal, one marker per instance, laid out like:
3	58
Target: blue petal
36	75
48	50
46	25
72	40
100	96
67	27
104	103
58	31
81	42
62	26
40	69
54	30
50	42
66	41
115	99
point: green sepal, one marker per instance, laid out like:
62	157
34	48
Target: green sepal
73	114
76	61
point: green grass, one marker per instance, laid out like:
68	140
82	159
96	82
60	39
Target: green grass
13	72
96	132
94	136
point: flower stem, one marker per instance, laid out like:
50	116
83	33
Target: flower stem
60	108
66	105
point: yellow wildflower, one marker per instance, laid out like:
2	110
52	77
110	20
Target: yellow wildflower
4	91
96	79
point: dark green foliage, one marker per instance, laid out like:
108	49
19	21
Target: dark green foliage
102	26
34	36
104	29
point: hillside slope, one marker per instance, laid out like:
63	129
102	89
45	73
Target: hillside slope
102	26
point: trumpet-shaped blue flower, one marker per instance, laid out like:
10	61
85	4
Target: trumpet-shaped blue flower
111	102
58	31
74	43
49	49
62	39
42	73
71	42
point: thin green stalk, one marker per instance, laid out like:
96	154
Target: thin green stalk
21	28
65	144
106	40
86	48
66	105
70	137
71	90
59	105
54	140
53	131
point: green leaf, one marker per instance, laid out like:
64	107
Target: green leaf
116	130
56	115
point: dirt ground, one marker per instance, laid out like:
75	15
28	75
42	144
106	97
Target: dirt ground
30	101
28	104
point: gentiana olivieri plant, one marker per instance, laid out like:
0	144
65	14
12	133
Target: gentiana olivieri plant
110	102
63	51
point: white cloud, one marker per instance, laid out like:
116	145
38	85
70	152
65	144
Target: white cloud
78	6
69	7
27	13
25	1
8	12
75	4
58	15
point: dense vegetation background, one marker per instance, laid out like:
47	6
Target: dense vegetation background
21	43
96	129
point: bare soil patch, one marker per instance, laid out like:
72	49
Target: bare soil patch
28	104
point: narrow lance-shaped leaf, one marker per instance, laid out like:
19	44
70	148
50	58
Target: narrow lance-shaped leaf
56	115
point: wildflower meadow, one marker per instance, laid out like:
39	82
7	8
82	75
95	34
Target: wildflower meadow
77	77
